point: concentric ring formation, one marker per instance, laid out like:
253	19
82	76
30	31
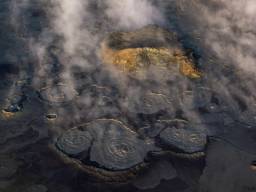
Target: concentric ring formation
117	147
147	103
108	150
118	153
186	140
74	141
58	94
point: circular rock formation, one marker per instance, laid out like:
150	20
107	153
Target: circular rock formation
118	148
188	141
139	52
74	141
57	94
109	151
146	102
105	149
183	141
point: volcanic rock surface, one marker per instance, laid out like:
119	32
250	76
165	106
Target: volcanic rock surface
149	48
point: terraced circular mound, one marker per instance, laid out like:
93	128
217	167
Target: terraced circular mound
185	140
146	103
138	52
109	151
117	147
74	141
58	94
105	149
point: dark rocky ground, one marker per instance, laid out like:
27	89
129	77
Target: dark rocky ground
26	162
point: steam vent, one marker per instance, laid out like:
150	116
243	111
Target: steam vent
127	96
117	151
135	53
